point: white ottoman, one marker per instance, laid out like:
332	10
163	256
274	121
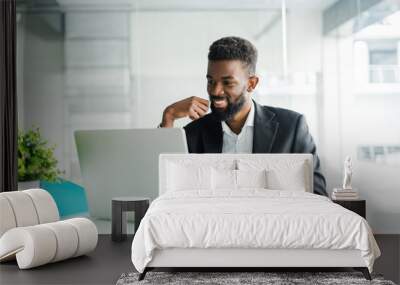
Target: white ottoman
31	232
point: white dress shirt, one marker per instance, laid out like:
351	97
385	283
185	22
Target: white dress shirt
242	142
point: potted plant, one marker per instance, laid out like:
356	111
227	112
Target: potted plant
36	160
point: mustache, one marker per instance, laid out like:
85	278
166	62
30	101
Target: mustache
218	98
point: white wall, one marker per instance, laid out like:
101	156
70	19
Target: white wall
43	81
169	54
97	76
351	119
167	61
171	64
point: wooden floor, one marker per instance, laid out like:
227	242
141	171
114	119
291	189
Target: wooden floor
110	260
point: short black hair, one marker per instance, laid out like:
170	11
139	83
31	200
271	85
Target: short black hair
234	48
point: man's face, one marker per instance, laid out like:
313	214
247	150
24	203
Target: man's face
227	84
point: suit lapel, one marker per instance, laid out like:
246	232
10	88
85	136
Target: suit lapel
212	137
265	129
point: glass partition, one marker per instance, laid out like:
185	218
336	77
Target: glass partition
117	64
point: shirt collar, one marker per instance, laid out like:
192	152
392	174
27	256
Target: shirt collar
249	121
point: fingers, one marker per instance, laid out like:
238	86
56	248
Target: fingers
199	101
203	101
202	106
196	112
193	115
201	112
193	107
198	107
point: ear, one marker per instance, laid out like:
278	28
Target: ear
252	83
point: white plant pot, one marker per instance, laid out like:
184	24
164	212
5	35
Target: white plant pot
24	185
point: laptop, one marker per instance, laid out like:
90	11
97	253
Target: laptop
117	163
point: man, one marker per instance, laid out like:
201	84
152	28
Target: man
237	124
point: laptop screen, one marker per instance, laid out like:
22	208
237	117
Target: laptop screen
117	163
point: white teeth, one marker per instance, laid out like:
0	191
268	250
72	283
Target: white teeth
219	103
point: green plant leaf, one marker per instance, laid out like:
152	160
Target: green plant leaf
36	160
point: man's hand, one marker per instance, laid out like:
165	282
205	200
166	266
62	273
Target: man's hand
194	107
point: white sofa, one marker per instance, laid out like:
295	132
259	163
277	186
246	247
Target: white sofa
31	231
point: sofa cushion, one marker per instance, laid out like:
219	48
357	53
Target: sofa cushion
40	244
7	215
23	208
45	206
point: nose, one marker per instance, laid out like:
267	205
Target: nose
216	89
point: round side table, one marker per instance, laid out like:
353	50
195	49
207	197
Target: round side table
121	205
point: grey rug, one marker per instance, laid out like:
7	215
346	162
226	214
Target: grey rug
225	278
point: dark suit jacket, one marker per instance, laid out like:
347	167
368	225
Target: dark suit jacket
276	130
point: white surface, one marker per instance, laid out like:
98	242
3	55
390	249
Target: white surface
96	52
45	206
7	220
250	219
234	257
34	244
181	177
223	179
87	233
192	4
23	208
292	171
123	163
284	172
26	208
67	240
251	178
40	244
97	25
289	178
237	179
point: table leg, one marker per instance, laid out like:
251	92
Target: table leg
118	230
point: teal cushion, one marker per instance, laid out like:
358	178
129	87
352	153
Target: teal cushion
69	197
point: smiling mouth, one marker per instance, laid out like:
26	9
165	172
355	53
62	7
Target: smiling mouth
221	103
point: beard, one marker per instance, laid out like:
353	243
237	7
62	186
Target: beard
232	108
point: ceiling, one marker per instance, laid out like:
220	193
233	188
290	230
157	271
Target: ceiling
167	5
